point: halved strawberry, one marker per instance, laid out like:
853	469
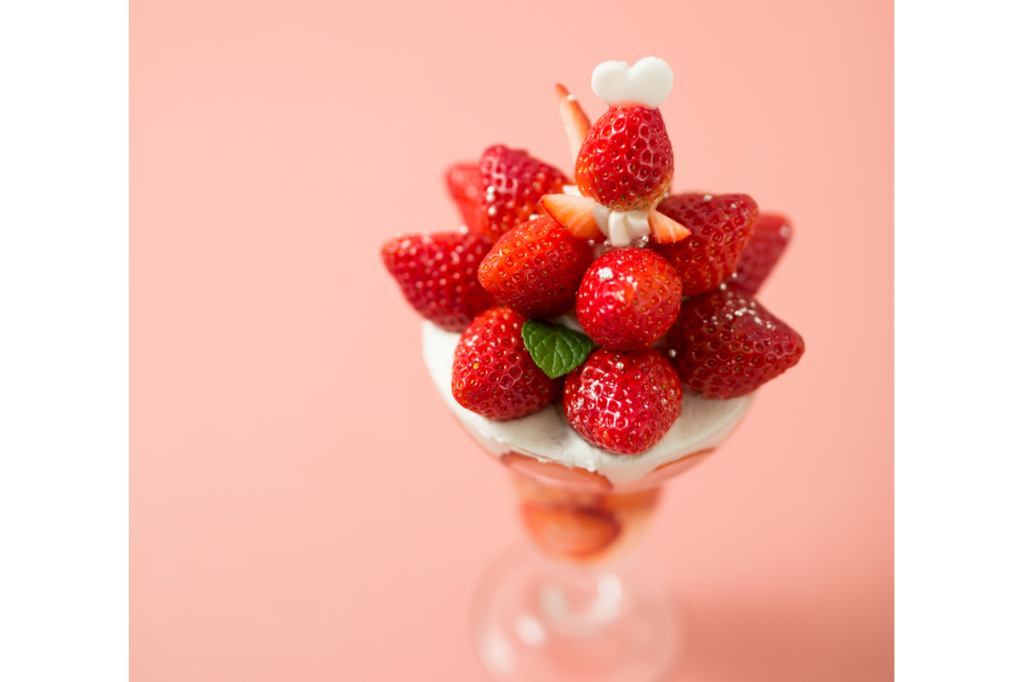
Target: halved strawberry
576	214
570	532
535	268
437	274
666	230
556	474
577	125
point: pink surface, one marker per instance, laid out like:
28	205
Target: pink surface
302	507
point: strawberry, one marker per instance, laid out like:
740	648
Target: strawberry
623	402
725	344
506	192
535	268
628	299
437	275
771	236
493	373
576	123
575	214
569	532
626	160
720	227
465	188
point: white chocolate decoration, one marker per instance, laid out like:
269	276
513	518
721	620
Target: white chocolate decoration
647	82
622	227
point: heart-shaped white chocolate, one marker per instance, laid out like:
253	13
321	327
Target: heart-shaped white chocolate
647	82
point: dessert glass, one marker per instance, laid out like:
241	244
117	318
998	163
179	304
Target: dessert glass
574	603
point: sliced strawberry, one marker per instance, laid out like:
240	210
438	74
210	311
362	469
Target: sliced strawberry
535	268
720	227
772	233
493	373
623	402
575	214
466	190
437	275
576	123
569	532
666	230
556	474
626	161
725	344
628	299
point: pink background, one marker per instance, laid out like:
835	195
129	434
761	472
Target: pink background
302	507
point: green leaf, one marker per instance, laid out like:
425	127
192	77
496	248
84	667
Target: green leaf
555	348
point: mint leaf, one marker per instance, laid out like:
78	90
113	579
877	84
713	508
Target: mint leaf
555	348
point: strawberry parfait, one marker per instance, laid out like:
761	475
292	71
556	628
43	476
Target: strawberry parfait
597	334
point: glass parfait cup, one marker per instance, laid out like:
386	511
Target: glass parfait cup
574	603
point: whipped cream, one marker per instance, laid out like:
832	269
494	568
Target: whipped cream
702	424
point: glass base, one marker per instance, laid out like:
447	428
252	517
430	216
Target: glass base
541	621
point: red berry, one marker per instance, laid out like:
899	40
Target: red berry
437	275
513	183
626	160
623	402
464	187
772	233
502	190
725	344
493	374
628	299
720	227
565	532
535	268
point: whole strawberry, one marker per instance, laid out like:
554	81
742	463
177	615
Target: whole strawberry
535	268
437	275
725	344
720	227
493	373
506	192
628	299
771	236
623	402
466	190
626	160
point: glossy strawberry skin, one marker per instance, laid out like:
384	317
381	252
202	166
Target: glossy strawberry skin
493	373
626	161
628	299
465	188
725	345
772	233
720	227
535	268
513	183
437	274
623	402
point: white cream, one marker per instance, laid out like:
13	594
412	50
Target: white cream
702	424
